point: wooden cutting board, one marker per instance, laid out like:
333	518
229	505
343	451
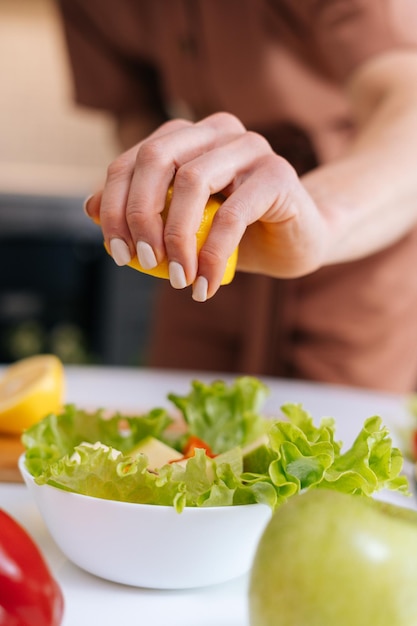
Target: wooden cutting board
10	450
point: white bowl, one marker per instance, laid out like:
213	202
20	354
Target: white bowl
148	545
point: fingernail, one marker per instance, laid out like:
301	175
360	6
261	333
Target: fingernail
177	275
200	289
120	251
146	255
85	205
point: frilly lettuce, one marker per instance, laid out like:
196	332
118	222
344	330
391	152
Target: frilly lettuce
224	416
89	454
57	435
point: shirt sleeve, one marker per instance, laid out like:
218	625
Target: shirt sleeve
105	75
339	35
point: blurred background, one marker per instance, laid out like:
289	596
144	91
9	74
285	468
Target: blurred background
59	291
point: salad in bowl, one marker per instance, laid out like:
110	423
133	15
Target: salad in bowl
179	498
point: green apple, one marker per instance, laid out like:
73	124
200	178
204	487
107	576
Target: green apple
331	559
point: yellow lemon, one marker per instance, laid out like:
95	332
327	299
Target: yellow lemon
30	389
213	204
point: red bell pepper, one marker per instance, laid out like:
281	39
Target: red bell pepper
29	595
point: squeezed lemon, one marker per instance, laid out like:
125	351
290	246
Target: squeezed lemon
212	206
30	389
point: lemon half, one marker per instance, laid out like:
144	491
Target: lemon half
29	390
212	206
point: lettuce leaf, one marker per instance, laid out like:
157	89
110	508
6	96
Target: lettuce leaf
57	435
89	454
224	416
310	457
103	472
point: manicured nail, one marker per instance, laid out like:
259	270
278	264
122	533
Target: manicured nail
200	289
120	251
177	275
146	255
85	205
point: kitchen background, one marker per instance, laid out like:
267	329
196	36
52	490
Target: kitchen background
59	291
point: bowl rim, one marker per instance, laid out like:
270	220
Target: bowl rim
188	510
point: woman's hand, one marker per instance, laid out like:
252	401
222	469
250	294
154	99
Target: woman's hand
267	211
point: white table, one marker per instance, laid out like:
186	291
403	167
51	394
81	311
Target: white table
90	600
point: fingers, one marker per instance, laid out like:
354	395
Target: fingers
258	194
107	206
158	161
114	199
223	167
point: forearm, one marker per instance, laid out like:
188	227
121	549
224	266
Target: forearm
369	196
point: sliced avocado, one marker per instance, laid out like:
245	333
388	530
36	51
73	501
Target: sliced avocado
157	452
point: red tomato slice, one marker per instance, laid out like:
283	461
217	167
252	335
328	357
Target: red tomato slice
194	442
190	447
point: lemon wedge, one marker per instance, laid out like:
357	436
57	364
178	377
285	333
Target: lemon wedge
30	389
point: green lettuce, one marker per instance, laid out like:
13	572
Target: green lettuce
88	453
57	435
309	456
224	416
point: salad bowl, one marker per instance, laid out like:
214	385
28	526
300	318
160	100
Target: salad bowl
135	501
151	546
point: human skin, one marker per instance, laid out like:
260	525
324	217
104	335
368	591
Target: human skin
285	226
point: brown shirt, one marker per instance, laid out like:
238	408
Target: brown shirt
280	66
